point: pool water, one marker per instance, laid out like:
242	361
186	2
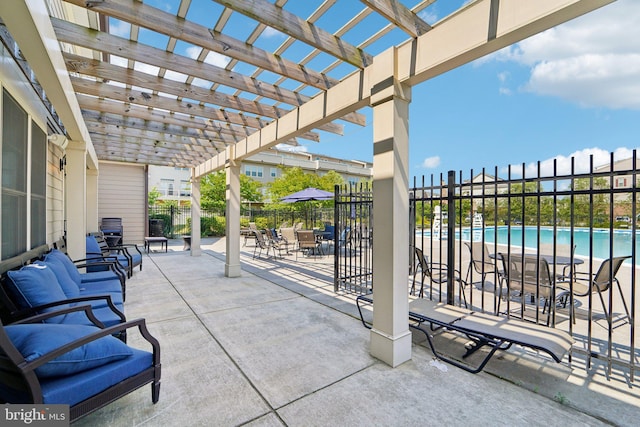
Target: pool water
622	239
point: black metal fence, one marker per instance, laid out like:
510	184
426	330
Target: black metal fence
353	238
574	223
175	221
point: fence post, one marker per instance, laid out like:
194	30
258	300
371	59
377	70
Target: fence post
451	236
172	213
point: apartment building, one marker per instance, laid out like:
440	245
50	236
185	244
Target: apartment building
174	183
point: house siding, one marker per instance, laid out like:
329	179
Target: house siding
121	194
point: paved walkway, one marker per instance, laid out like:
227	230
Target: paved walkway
277	347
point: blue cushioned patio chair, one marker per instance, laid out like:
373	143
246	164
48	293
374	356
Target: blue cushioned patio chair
129	256
40	287
82	366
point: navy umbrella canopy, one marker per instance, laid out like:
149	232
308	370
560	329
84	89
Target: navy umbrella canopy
307	194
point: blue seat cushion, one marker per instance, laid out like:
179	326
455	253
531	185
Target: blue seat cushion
34	285
98	276
74	389
56	255
101	311
112	288
35	340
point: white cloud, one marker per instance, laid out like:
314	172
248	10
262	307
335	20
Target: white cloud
119	28
582	162
429	17
213	58
431	162
272	32
593	61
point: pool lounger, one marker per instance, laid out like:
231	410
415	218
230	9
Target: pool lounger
498	333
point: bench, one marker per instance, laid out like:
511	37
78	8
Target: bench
495	332
164	243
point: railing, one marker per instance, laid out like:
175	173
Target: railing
594	214
353	239
176	220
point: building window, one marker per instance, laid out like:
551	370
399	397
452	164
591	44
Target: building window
185	188
253	171
274	172
621	182
23	207
166	187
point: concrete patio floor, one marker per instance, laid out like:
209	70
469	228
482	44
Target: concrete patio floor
278	347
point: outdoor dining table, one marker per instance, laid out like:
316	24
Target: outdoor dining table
561	260
558	260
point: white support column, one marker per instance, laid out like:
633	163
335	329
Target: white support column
92	200
390	335
232	265
76	199
195	215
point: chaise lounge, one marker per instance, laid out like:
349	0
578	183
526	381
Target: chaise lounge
494	332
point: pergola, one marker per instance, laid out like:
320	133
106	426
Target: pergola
136	100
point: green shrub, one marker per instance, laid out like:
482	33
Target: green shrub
209	226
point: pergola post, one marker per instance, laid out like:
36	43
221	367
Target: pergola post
390	335
76	199
92	200
232	264
195	215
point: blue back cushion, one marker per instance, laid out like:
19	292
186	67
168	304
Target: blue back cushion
56	255
69	287
35	340
34	285
92	246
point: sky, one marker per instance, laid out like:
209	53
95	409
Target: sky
572	91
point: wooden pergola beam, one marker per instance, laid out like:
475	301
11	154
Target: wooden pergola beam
294	26
139	13
399	15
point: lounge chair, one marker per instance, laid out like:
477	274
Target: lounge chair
436	272
494	332
289	234
261	244
277	243
601	282
481	262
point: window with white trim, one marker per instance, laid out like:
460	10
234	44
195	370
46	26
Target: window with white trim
24	180
253	171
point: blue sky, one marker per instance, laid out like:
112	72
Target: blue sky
571	91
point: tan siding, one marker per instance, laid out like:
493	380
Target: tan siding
121	194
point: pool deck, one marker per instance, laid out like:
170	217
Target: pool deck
278	347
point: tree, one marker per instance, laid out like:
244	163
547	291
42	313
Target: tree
153	196
213	190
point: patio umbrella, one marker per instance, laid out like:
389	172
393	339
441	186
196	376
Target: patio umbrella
307	194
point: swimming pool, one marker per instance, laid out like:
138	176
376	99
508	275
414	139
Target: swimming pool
622	239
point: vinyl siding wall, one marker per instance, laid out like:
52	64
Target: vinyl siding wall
121	194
